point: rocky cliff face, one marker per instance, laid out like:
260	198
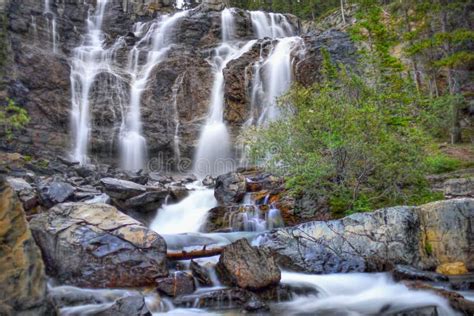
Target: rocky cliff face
22	278
40	42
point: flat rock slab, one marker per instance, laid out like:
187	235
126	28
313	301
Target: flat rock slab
95	245
122	189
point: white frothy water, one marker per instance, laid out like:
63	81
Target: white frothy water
186	216
255	220
272	25
88	60
278	66
358	294
132	143
214	148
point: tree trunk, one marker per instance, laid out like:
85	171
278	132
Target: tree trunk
195	254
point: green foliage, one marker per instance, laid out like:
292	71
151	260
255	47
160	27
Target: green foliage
428	248
12	117
343	139
306	9
440	163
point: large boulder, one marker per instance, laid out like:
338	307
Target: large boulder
423	237
230	188
95	245
22	278
247	267
357	243
447	233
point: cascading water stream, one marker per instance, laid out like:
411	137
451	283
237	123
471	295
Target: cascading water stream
176	140
214	148
132	142
272	25
358	294
87	61
51	23
278	67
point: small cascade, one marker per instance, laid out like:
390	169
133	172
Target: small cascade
228	28
253	219
34	26
87	61
186	216
132	142
272	25
51	24
214	148
176	140
278	67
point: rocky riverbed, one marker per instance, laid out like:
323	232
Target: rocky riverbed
91	226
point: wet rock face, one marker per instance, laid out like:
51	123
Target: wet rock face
22	278
39	79
130	305
233	298
230	188
402	272
94	245
247	267
177	284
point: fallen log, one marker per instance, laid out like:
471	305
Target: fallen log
194	254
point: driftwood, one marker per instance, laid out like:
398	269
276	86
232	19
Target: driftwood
194	254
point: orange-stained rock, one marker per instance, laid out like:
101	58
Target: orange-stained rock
455	268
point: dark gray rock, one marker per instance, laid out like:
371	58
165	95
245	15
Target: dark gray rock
223	299
247	267
201	274
94	245
148	201
127	306
27	195
402	272
122	189
53	192
230	188
177	284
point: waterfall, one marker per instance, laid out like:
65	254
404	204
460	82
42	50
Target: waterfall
214	148
228	28
51	23
132	142
278	67
176	141
272	25
87	61
187	216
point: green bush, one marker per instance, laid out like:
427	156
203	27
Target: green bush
440	163
12	117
